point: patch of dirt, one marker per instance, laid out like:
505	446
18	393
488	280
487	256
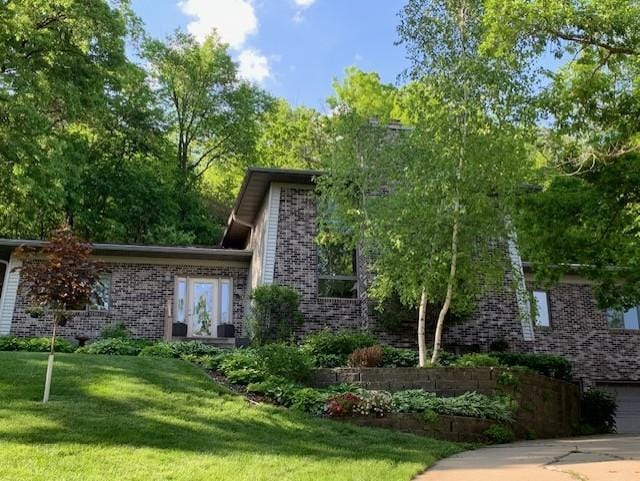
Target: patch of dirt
251	398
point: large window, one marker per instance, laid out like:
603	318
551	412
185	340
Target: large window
619	319
100	298
337	271
541	299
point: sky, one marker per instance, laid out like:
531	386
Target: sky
292	48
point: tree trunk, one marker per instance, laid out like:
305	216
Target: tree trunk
47	382
447	301
422	322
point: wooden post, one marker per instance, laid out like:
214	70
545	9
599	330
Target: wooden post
168	320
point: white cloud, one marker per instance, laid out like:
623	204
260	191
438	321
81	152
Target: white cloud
304	3
234	20
253	66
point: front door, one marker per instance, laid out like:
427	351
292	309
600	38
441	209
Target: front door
202	308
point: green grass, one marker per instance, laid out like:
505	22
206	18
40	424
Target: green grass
130	418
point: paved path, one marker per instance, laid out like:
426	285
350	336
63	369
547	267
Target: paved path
601	458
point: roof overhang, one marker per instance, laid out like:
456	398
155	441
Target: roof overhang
132	250
251	196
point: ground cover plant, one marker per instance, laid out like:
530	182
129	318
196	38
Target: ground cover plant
143	419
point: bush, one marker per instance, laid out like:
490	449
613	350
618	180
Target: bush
366	357
276	389
258	364
309	400
331	349
287	361
342	405
275	314
8	343
500	434
196	348
374	403
469	404
34	344
547	365
598	411
396	357
114	347
445	358
160	349
117	330
477	360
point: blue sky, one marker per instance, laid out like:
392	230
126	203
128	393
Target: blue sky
292	48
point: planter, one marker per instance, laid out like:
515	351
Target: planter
179	329
226	330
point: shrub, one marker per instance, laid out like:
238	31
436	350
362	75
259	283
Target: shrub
547	365
309	400
160	349
34	344
445	358
342	405
114	347
8	343
500	434
374	403
275	314
469	404
240	359
276	389
366	357
329	360
196	348
598	411
396	357
286	361
335	347
117	330
477	360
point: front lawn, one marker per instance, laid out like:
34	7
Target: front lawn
136	418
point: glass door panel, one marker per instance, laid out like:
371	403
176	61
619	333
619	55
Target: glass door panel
202	307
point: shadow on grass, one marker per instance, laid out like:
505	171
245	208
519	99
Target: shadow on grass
168	404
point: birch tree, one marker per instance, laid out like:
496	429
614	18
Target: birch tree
429	202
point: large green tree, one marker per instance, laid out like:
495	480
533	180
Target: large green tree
429	204
213	114
589	146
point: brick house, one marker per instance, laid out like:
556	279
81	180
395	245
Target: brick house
270	238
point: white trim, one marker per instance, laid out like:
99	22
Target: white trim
9	295
171	262
522	295
271	235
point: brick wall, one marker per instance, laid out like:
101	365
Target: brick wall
297	265
139	293
579	331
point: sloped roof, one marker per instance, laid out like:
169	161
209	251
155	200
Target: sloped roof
251	196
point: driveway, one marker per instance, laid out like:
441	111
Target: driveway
601	458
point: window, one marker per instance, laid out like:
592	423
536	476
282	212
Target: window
100	298
337	271
541	298
619	319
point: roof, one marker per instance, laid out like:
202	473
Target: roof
251	196
134	250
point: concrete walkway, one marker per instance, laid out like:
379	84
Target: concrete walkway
602	458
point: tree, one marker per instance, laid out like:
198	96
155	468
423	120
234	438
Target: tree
59	282
430	204
212	113
589	148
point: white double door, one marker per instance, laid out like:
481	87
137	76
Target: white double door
202	304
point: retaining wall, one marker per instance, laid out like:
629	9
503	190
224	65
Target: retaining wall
547	408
